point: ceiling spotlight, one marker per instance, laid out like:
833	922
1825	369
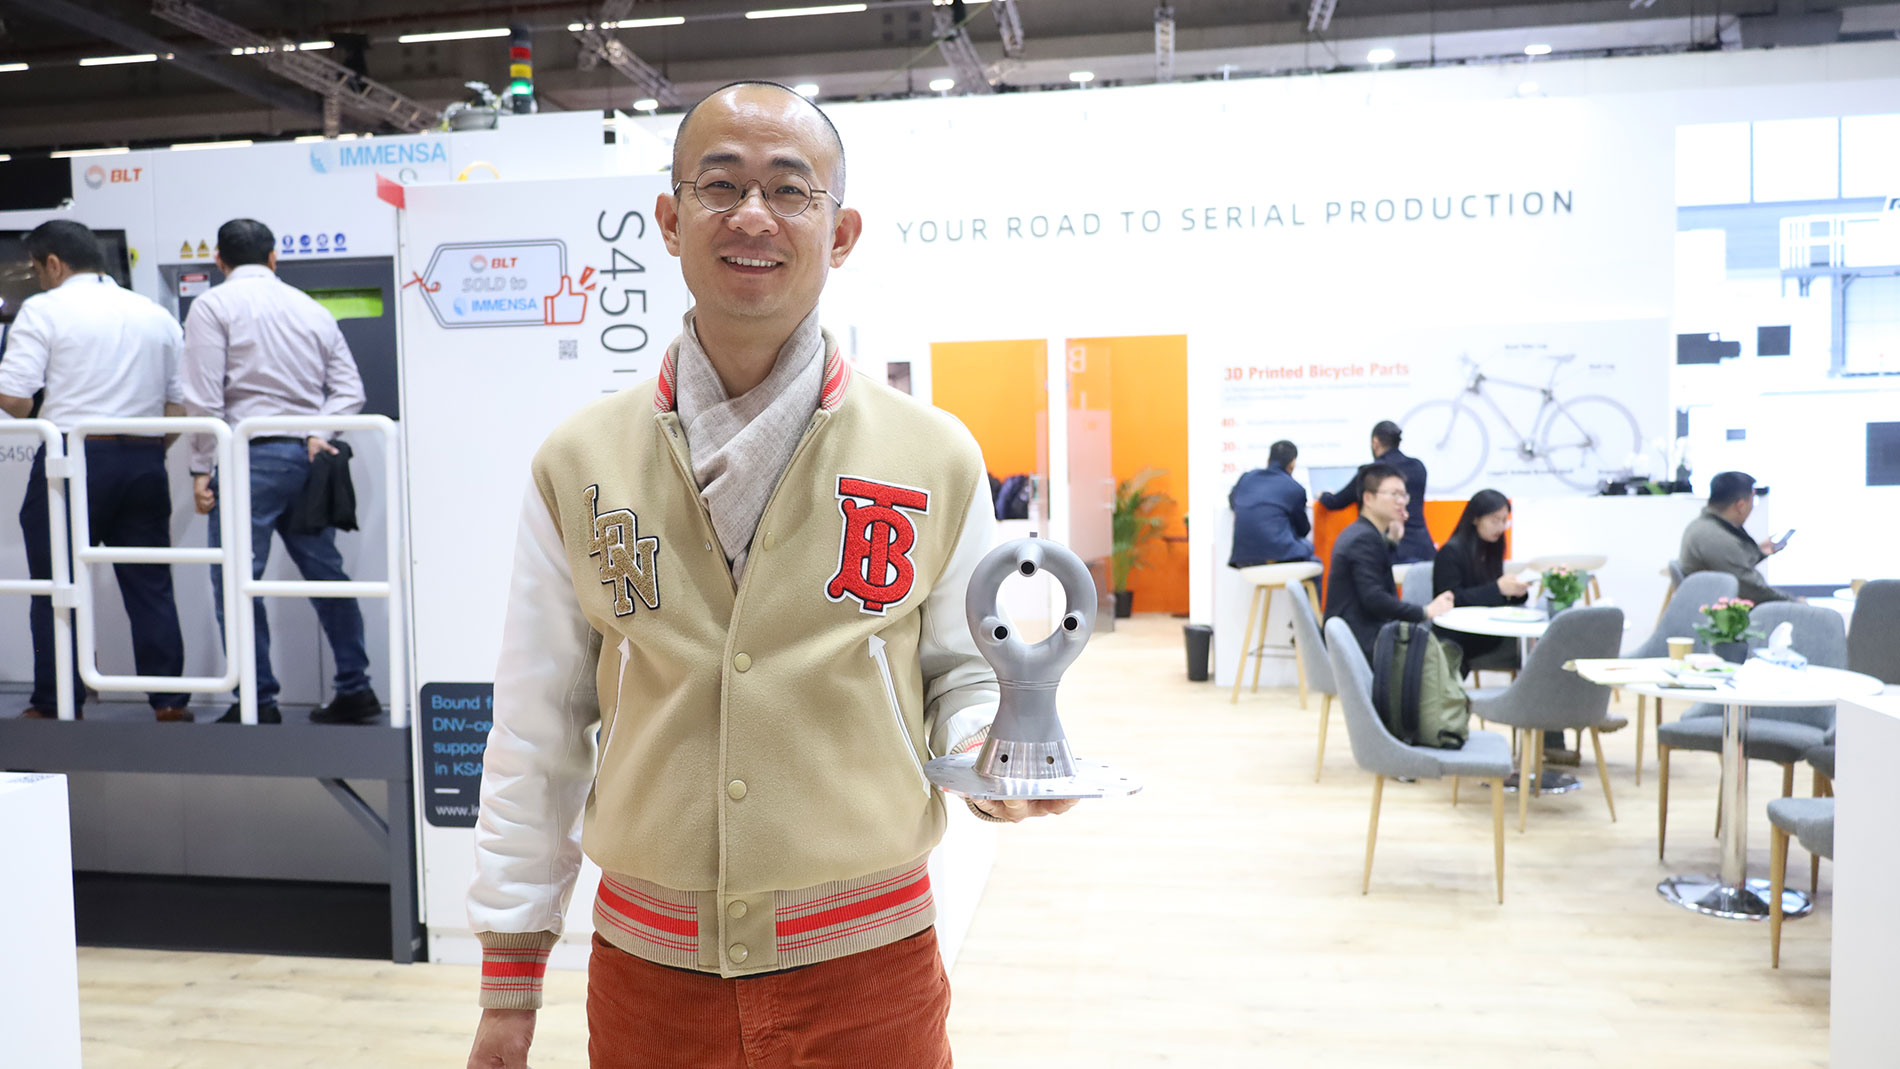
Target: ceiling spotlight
1081	77
1537	50
942	85
806	89
12	66
647	104
195	146
1381	55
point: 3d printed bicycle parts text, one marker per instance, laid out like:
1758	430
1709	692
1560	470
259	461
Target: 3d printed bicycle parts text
1027	755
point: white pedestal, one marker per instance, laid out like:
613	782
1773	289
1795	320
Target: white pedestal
1865	1030
39	987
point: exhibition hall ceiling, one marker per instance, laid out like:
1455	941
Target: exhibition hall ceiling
195	88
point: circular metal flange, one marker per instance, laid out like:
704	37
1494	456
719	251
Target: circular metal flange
1709	896
957	774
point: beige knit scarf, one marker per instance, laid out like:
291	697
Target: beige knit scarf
740	445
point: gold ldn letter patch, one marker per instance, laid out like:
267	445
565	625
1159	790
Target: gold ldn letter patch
627	561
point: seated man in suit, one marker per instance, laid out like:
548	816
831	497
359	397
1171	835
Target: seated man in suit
1270	523
1359	586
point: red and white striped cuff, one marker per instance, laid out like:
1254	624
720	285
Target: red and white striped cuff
513	966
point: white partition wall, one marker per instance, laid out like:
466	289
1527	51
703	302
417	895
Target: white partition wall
1866	869
39	987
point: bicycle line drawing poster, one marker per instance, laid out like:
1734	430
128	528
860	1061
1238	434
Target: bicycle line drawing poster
1530	409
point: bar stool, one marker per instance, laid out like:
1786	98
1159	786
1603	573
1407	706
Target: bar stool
1265	579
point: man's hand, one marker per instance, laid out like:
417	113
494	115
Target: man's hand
202	494
1511	587
1768	547
501	1040
1395	531
1016	810
318	444
1440	606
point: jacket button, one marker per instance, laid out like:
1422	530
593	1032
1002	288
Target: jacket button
709	547
736	789
738	953
769	540
735	910
742	662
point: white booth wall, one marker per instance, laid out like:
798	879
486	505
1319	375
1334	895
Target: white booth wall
1172	210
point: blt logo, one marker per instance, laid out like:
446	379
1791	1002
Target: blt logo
97	176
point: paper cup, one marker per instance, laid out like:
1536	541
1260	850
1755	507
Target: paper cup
1680	648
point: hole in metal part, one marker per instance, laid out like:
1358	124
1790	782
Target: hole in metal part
1003	757
1050	759
1027	567
1001	633
1071	622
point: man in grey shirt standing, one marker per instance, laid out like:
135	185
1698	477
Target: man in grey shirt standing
1715	541
256	346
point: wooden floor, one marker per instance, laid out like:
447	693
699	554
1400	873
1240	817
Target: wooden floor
1214	920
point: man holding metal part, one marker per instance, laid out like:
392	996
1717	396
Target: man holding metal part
735	632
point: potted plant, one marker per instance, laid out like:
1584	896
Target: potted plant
1725	628
1133	524
1563	587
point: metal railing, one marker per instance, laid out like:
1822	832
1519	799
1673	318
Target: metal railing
1834	242
59	587
85	553
239	487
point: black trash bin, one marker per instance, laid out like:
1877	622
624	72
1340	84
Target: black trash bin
1199	638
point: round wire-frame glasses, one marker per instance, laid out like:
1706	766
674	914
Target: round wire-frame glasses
718	190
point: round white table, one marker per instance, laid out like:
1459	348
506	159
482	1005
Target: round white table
1731	894
1526	625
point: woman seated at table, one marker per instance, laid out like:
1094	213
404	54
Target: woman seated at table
1471	565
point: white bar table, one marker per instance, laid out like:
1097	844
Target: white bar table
1731	894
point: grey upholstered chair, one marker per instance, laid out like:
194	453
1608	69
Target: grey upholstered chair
1416	587
1783	736
1311	650
1485	753
1678	620
1873	643
1546	697
1810	820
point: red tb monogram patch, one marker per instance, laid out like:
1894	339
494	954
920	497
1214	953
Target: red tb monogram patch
873	554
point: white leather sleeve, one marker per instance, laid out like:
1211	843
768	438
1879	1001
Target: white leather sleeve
959	685
539	764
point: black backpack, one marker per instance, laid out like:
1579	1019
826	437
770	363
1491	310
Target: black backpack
1416	689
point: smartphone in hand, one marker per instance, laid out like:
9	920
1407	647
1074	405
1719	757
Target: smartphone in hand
1782	542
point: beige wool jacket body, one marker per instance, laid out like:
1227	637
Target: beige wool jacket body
751	754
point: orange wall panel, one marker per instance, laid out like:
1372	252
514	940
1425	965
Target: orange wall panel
997	388
1142	381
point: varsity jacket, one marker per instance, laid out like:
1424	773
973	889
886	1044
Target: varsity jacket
743	762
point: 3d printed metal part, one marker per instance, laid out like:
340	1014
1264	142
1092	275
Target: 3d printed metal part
1027	755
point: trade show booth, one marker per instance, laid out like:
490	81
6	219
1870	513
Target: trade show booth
1643	264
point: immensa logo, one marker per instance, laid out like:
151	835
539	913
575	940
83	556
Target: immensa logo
327	158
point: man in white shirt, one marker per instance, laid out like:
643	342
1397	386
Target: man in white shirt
256	346
98	350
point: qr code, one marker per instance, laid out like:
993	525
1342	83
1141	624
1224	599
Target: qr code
570	349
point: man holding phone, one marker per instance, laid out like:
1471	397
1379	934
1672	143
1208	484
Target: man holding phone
1715	541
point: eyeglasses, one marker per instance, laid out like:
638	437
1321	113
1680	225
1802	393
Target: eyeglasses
720	191
1396	495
